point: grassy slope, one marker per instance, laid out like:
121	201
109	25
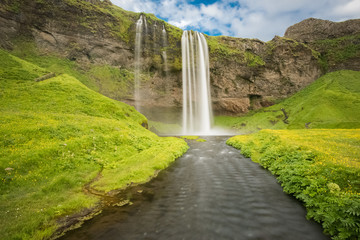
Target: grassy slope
338	50
332	101
320	167
112	81
104	18
57	135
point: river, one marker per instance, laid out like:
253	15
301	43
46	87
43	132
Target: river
211	192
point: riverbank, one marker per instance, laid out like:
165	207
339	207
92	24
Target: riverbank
211	192
319	167
57	136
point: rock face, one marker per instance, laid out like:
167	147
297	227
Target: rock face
259	73
337	42
312	29
66	29
245	73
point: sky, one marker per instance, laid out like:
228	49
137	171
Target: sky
262	19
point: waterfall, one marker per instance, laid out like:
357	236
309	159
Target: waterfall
197	110
164	45
138	52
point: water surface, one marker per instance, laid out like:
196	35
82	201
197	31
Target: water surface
212	192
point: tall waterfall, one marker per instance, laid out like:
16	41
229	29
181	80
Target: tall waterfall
197	110
138	51
164	44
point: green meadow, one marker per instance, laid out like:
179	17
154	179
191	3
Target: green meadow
56	136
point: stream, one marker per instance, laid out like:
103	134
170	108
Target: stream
211	192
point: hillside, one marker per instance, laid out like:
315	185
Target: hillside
332	101
337	42
56	136
97	39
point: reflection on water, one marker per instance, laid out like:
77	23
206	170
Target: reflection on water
212	192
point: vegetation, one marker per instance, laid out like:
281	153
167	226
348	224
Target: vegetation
219	49
117	19
165	128
197	138
253	60
111	81
319	167
56	136
332	101
338	50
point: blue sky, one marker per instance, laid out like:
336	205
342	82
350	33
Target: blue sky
262	19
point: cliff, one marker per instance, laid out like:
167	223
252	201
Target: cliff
99	38
337	42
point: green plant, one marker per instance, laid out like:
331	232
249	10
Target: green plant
339	49
311	166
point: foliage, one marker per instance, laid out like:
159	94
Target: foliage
109	80
253	60
220	49
319	167
118	20
332	101
55	137
338	50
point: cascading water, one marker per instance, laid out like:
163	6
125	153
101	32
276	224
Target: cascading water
138	50
197	110
164	44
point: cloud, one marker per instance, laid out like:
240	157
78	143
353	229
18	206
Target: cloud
261	19
348	10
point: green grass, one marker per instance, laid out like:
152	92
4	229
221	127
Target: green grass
332	101
320	167
57	135
338	50
165	128
219	49
114	82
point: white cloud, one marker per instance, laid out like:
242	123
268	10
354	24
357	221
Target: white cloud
348	10
261	19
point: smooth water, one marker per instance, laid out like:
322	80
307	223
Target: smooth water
197	109
212	192
164	45
140	25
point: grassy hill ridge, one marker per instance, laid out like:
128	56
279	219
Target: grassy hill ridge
332	101
56	136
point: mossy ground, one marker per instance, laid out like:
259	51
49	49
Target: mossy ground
114	82
320	167
57	135
220	50
165	128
